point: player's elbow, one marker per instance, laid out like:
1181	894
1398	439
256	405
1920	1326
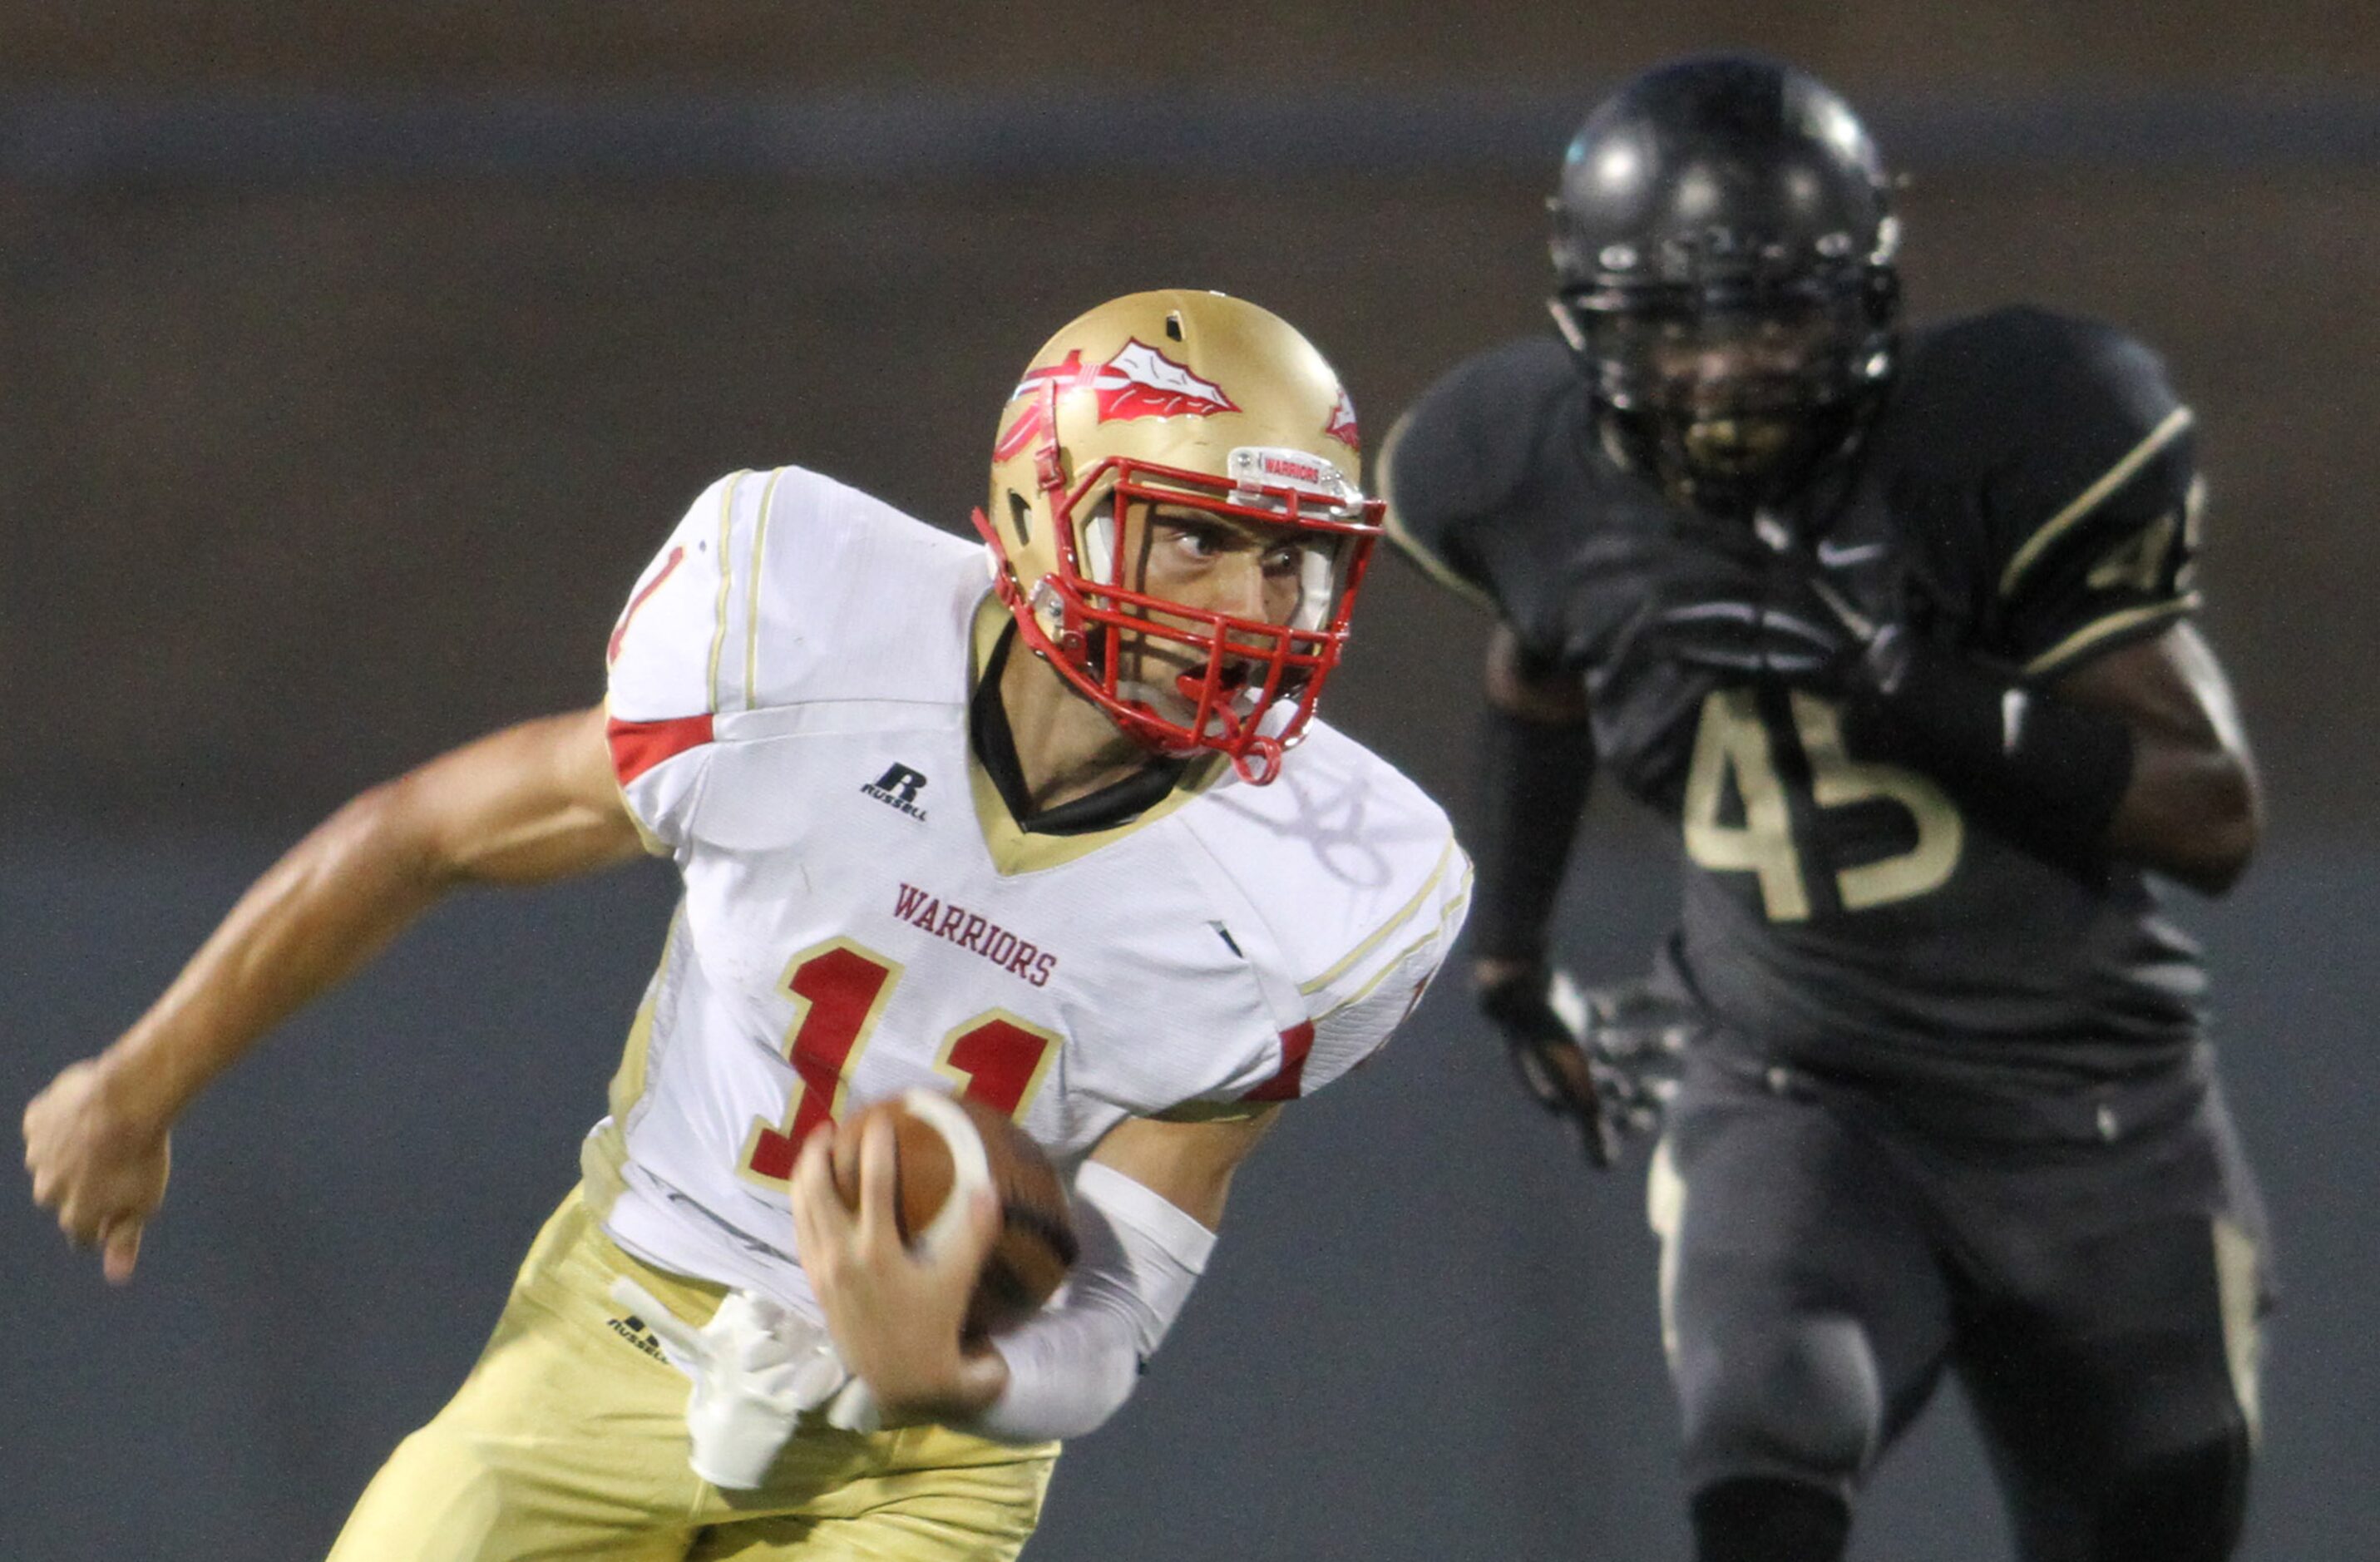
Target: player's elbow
2230	844
387	832
2211	850
1072	1365
1058	1394
1116	1379
1521	685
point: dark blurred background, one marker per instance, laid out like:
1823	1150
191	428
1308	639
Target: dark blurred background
354	359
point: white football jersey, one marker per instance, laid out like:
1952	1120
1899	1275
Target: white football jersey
789	706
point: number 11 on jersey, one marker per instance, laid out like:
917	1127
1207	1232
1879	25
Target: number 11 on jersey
839	989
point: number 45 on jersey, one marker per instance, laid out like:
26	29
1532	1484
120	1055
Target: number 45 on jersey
1734	743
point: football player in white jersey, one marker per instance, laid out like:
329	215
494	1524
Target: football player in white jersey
1068	840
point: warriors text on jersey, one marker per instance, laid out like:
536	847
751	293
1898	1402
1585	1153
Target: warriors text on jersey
2025	496
789	699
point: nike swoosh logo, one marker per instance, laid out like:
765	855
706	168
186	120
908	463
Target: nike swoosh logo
1836	556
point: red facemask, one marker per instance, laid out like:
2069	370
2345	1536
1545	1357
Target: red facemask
1239	686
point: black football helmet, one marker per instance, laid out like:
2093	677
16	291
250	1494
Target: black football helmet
1724	241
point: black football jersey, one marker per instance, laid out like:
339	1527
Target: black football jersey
2024	495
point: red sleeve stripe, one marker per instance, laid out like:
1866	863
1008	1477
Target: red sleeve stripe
638	746
1295	1042
620	630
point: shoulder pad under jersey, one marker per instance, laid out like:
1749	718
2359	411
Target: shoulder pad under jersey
1357	889
2050	470
1467	448
776	588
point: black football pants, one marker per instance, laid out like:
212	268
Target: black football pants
1825	1259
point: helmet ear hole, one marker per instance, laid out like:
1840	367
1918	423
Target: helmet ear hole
1020	515
1173	325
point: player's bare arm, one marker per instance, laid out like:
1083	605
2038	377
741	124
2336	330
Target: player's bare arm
1549	696
2192	808
1537	759
529	804
1190	1165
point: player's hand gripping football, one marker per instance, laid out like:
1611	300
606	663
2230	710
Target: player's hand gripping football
895	1311
100	1168
1605	1060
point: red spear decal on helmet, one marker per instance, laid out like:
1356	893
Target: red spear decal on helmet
1341	426
1141	381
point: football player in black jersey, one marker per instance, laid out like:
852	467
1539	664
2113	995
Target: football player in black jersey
1897	624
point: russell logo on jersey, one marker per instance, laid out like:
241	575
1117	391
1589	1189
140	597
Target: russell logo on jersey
898	788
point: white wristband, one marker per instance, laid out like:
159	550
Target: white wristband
1073	1363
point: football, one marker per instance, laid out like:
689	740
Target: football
945	1144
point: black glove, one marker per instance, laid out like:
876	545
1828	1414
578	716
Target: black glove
1604	1060
1764	613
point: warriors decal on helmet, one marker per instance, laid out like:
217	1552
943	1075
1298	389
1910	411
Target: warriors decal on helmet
1234	420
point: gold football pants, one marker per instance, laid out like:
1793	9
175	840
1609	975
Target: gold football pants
569	1440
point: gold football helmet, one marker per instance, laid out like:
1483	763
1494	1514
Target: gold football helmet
1179	404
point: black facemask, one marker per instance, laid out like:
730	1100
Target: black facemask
1727	406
